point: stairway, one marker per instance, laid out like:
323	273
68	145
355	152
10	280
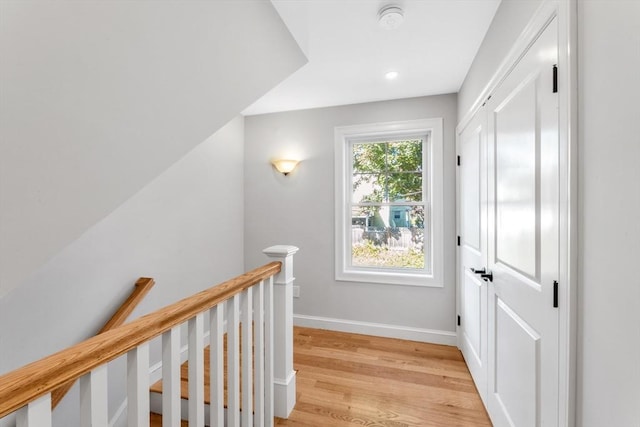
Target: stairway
156	389
156	421
266	321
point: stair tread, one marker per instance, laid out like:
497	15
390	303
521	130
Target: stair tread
184	377
184	380
155	420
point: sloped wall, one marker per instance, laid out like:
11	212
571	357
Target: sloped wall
185	229
98	98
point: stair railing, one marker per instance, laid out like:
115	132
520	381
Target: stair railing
142	287
261	301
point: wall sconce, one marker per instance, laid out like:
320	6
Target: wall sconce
285	166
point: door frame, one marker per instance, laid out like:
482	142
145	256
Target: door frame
566	13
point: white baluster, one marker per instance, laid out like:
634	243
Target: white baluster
216	365
138	386
171	377
268	354
247	359
36	413
258	333
93	398
285	376
233	366
196	371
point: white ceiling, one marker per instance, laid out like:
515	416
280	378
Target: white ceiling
349	53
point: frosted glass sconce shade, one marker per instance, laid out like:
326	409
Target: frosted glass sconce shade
285	166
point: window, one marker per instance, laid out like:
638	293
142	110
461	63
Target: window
389	203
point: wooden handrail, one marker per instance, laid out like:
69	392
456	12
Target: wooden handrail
142	287
19	387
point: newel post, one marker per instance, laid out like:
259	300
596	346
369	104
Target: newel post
284	387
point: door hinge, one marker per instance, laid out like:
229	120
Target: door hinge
555	79
458	160
555	294
458	240
458	320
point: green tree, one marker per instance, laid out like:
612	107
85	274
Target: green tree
387	172
393	169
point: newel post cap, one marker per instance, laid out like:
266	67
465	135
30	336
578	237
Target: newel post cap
280	251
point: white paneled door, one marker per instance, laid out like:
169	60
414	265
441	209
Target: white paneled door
523	216
472	213
508	260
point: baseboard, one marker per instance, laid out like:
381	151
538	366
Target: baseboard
284	395
377	329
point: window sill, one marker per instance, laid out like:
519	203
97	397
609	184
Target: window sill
389	278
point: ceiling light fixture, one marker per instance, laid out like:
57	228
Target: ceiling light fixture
391	75
390	17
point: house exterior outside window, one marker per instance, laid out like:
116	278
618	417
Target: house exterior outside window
389	203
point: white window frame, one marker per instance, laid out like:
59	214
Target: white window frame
434	165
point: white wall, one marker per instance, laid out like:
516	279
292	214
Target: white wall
608	385
98	98
609	216
299	210
185	229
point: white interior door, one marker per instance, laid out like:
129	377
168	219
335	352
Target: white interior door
523	218
472	215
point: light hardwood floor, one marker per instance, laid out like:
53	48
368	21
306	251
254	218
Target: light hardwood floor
348	380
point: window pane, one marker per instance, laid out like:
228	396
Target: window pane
368	187
404	186
405	156
369	157
388	236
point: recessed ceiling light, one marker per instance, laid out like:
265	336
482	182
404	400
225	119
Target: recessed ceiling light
391	75
390	17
